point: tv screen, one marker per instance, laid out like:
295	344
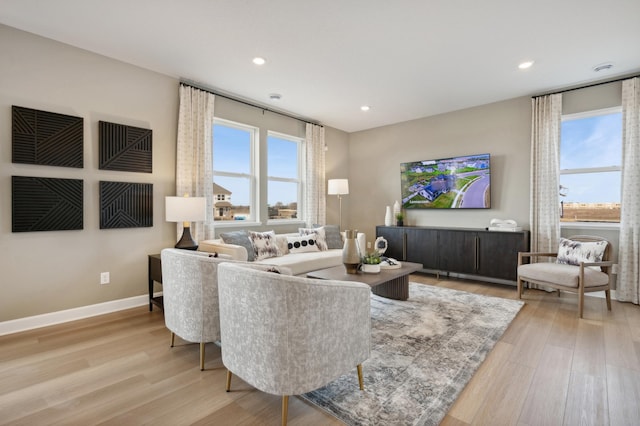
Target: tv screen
448	183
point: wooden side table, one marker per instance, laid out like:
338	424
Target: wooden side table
155	275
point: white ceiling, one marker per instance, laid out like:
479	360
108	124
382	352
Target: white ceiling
405	58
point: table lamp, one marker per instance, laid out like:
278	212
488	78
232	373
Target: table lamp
185	209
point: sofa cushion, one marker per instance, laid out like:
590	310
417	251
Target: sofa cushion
302	244
573	252
319	234
264	245
239	238
332	236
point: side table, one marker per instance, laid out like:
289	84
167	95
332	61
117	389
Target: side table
155	275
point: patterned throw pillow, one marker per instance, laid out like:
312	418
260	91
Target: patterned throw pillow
264	245
239	238
302	243
319	233
573	252
332	236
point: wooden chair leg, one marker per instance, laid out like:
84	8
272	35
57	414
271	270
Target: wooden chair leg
201	356
360	379
285	409
173	338
607	294
229	374
519	288
580	302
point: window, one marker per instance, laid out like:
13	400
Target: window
283	180
234	168
590	166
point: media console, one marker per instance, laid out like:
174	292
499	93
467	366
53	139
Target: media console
474	253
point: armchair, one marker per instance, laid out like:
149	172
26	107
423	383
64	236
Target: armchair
288	335
582	266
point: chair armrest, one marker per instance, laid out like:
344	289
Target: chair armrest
523	254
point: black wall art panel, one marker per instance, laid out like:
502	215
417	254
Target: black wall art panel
126	205
46	204
125	148
46	138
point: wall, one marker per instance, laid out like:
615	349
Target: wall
501	129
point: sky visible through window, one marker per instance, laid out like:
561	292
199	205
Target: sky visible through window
594	141
235	156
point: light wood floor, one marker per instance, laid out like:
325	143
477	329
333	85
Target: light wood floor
549	368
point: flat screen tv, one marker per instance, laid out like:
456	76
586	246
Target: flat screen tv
462	182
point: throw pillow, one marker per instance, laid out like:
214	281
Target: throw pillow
302	244
319	233
332	236
573	252
264	245
239	238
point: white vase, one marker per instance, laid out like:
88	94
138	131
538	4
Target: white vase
388	217
396	208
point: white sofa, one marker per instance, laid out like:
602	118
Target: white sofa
299	263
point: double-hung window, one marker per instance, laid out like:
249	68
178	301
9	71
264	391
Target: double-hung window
234	171
284	167
590	166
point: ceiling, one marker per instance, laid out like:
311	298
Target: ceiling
406	59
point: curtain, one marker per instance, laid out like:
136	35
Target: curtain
315	207
545	173
194	157
628	284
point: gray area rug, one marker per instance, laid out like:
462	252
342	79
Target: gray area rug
423	353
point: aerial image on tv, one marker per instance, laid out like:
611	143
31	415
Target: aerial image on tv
450	183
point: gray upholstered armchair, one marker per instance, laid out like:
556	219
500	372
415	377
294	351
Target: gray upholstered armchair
190	296
288	335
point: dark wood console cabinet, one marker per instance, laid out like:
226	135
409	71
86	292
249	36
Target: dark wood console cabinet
492	255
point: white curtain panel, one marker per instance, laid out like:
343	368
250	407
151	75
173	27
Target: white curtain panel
628	285
315	198
545	173
194	158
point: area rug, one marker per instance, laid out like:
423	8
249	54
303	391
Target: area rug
423	352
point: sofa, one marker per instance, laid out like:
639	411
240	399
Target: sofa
304	251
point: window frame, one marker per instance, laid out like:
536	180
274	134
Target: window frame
253	175
583	170
299	180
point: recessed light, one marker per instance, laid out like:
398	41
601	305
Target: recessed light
365	107
525	65
259	61
275	96
603	67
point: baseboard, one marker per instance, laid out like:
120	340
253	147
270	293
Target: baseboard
37	321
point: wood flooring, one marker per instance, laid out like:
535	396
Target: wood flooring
549	368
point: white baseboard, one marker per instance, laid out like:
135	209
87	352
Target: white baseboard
37	321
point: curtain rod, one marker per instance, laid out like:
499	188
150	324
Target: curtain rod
245	102
587	86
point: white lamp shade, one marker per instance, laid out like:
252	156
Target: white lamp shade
185	209
338	187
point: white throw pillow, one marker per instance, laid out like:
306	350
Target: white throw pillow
302	243
320	236
264	245
573	252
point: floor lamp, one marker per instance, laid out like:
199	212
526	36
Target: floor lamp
338	187
186	210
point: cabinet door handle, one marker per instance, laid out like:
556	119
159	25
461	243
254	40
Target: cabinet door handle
404	246
477	253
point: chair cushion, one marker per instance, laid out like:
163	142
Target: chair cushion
561	274
573	252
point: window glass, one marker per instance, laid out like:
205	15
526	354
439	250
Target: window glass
283	182
590	167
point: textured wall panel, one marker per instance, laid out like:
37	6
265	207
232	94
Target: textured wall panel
45	204
126	205
125	148
46	138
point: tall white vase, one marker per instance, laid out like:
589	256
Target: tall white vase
388	217
396	208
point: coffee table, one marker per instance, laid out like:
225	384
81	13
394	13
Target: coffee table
389	283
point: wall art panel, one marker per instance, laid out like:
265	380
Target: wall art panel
46	204
47	138
125	148
126	205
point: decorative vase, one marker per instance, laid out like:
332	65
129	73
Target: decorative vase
396	208
388	217
350	252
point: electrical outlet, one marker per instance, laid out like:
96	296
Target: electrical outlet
614	268
104	278
368	244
